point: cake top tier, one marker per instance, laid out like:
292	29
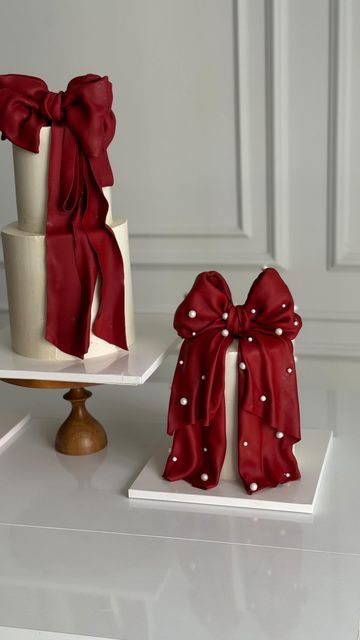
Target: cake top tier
31	184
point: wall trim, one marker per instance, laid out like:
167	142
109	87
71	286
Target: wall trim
172	251
338	211
315	315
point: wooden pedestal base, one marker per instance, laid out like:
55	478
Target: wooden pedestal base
80	434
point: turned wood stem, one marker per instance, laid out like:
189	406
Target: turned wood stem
80	434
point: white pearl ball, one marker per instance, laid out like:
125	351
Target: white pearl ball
203	377
174	459
279	331
289	370
287	475
181	361
183	401
205	449
193	333
253	311
283	305
225	316
204	477
250	339
192	313
245	443
225	333
296	323
253	486
263	398
279	435
242	366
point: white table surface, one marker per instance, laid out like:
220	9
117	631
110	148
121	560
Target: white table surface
77	557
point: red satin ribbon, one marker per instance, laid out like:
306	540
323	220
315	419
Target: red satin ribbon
268	406
79	244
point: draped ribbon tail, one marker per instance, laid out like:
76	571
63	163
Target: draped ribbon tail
267	460
109	323
70	266
199	428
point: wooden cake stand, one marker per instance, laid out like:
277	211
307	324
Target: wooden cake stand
81	434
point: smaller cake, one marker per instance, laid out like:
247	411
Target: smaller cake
234	408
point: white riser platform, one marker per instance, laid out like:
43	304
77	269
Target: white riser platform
299	496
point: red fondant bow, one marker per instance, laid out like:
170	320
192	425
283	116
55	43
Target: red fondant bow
79	244
268	407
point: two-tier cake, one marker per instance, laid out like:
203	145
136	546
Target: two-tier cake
25	241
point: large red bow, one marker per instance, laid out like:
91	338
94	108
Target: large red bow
79	244
268	406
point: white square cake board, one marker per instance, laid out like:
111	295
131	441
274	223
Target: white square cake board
299	496
10	425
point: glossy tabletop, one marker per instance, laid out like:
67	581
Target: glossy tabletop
78	557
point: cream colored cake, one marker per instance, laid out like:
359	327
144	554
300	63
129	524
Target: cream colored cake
24	258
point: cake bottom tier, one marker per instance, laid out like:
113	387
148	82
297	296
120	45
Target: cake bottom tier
24	258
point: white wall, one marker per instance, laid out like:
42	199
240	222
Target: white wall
237	143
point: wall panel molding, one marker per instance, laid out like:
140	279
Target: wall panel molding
339	135
174	246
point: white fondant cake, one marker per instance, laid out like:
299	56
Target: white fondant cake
24	258
229	470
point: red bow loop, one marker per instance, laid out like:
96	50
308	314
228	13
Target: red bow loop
87	103
204	306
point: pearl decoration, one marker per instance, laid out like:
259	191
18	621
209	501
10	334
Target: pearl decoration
193	333
287	475
192	313
279	435
181	361
279	331
250	339
245	443
205	449
263	398
296	323
225	316
203	377
289	370
253	311
183	401
225	333
242	366
253	486
174	459
283	305
204	477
